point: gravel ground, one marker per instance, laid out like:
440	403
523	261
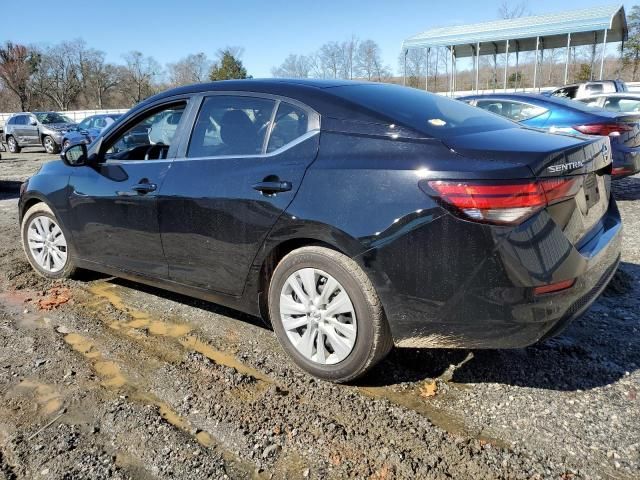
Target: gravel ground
127	381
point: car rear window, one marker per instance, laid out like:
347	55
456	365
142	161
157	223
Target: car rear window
434	115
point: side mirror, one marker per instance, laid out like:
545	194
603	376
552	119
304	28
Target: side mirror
33	123
75	155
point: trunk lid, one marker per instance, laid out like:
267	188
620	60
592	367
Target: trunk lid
584	159
546	155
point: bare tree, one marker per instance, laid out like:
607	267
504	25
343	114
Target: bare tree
416	66
294	66
59	76
369	61
193	68
509	10
348	50
139	75
330	58
17	65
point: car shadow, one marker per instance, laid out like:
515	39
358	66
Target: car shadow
594	351
192	302
626	189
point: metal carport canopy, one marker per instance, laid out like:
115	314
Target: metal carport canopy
586	26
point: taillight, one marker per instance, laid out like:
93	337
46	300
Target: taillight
620	171
604	129
503	203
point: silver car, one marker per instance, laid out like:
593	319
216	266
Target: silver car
31	129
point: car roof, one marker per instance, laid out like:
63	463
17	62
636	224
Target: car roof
263	85
312	92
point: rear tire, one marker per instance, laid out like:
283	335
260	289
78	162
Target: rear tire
12	145
50	145
349	331
41	231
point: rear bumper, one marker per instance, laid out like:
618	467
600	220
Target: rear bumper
475	290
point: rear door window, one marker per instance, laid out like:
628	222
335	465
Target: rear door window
290	123
230	125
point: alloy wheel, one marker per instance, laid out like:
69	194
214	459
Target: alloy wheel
12	144
47	244
318	316
49	146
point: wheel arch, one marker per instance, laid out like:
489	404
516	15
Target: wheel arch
281	242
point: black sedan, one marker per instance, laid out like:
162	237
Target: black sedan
352	216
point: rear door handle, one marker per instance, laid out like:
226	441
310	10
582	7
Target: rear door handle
272	187
144	187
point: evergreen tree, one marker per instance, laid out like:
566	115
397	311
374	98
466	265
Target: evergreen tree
229	67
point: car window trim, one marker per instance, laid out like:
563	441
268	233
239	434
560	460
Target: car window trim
284	148
313	123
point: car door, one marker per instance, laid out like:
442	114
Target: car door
19	129
244	162
31	131
114	205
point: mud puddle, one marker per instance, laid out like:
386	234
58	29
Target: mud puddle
111	377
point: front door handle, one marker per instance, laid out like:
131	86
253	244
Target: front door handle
272	187
144	187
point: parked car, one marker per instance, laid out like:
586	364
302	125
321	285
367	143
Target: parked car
163	128
28	129
628	103
350	215
88	129
587	89
567	116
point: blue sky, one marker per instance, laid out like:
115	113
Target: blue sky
268	30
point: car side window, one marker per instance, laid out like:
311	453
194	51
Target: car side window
593	88
566	92
622	105
591	102
290	122
493	106
21	120
12	121
84	124
148	138
99	123
515	111
231	125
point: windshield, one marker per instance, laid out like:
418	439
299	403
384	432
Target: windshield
435	115
52	117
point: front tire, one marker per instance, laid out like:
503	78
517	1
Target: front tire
45	244
327	315
50	145
12	145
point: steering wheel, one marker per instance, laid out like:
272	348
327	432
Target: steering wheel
154	151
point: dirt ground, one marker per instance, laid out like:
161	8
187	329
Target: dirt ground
103	378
